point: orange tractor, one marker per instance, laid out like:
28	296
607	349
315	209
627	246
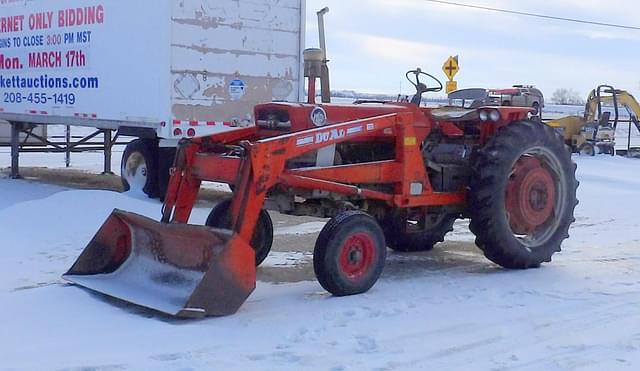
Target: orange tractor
389	174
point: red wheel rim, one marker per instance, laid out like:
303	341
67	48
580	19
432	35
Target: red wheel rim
357	256
530	196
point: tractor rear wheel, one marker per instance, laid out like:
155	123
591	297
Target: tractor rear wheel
414	230
220	217
350	253
522	195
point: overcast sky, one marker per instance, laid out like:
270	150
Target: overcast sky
372	42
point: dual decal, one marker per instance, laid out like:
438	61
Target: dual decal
331	135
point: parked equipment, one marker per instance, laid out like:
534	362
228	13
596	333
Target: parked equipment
387	174
518	95
595	132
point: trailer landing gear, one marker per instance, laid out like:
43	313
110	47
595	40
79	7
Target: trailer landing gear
15	150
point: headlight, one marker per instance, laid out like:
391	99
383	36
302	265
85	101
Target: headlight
495	116
489	115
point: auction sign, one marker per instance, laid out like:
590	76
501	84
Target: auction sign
100	59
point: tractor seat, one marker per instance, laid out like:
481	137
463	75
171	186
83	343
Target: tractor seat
604	119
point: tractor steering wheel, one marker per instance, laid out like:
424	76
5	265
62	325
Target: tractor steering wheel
421	88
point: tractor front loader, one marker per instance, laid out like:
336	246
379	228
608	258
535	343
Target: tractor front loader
388	174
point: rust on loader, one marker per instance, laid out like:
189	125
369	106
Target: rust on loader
178	269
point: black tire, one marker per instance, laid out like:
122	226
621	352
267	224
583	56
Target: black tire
540	155
350	253
430	230
587	149
607	150
536	107
139	167
262	240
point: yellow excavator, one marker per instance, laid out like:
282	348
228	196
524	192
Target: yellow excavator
595	132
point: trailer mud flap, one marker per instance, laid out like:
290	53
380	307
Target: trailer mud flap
181	270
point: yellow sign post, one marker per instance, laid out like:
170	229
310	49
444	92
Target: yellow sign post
451	68
452	86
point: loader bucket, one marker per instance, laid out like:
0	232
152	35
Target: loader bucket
182	270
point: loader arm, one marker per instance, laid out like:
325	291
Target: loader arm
263	166
260	168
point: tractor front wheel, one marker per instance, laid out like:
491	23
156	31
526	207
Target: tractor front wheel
220	217
522	195
350	253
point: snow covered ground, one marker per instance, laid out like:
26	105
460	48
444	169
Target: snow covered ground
448	309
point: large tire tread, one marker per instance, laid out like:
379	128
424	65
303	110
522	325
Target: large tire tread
491	166
262	240
399	240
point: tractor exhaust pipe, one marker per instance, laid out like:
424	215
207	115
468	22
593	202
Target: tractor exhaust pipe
325	86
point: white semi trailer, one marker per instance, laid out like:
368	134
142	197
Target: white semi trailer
156	70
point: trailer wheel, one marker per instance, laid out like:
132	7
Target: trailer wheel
220	217
350	253
414	230
138	169
522	195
